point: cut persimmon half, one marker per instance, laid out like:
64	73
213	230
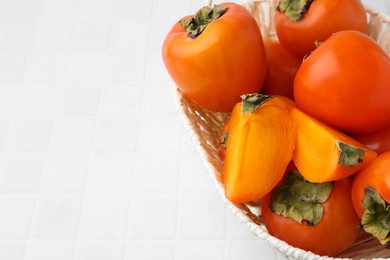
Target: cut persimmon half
259	148
323	153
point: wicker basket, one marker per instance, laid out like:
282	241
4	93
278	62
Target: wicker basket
203	126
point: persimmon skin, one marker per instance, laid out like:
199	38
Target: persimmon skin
323	18
225	61
281	69
336	232
378	141
345	83
377	176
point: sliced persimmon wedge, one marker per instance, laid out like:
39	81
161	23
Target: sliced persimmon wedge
259	147
323	153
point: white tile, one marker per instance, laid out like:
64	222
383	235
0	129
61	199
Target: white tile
156	70
58	218
388	7
49	250
59	10
160	30
4	127
195	178
112	174
251	250
122	99
74	135
86	66
22	173
147	250
279	256
188	146
157	174
12	66
15	217
135	10
160	99
38	100
16	36
98	9
237	229
127	66
201	250
54	36
112	250
175	9
48	67
66	174
12	250
30	135
153	218
159	135
8	98
105	218
93	36
22	10
80	100
117	135
378	5
202	218
124	35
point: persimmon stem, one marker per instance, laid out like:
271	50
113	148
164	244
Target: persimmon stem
299	199
376	216
197	23
350	155
294	9
252	101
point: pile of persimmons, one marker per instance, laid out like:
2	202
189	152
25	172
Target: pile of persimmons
309	128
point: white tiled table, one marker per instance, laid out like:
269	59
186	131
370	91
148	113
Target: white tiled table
94	162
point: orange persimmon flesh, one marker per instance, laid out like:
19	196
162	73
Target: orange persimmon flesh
259	148
324	154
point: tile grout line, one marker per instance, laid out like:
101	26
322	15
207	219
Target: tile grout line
106	84
27	71
14	116
143	113
105	81
72	47
55	118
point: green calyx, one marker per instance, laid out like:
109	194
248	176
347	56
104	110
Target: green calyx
294	9
299	199
250	102
196	24
223	139
349	155
376	216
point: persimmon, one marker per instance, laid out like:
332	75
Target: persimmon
378	141
300	23
281	69
259	148
345	83
317	217
216	55
323	153
371	197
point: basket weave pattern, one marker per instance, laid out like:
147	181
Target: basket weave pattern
204	126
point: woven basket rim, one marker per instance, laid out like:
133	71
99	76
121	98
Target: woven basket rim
258	230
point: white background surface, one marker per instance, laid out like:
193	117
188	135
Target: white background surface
94	162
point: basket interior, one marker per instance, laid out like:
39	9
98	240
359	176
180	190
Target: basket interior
206	125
